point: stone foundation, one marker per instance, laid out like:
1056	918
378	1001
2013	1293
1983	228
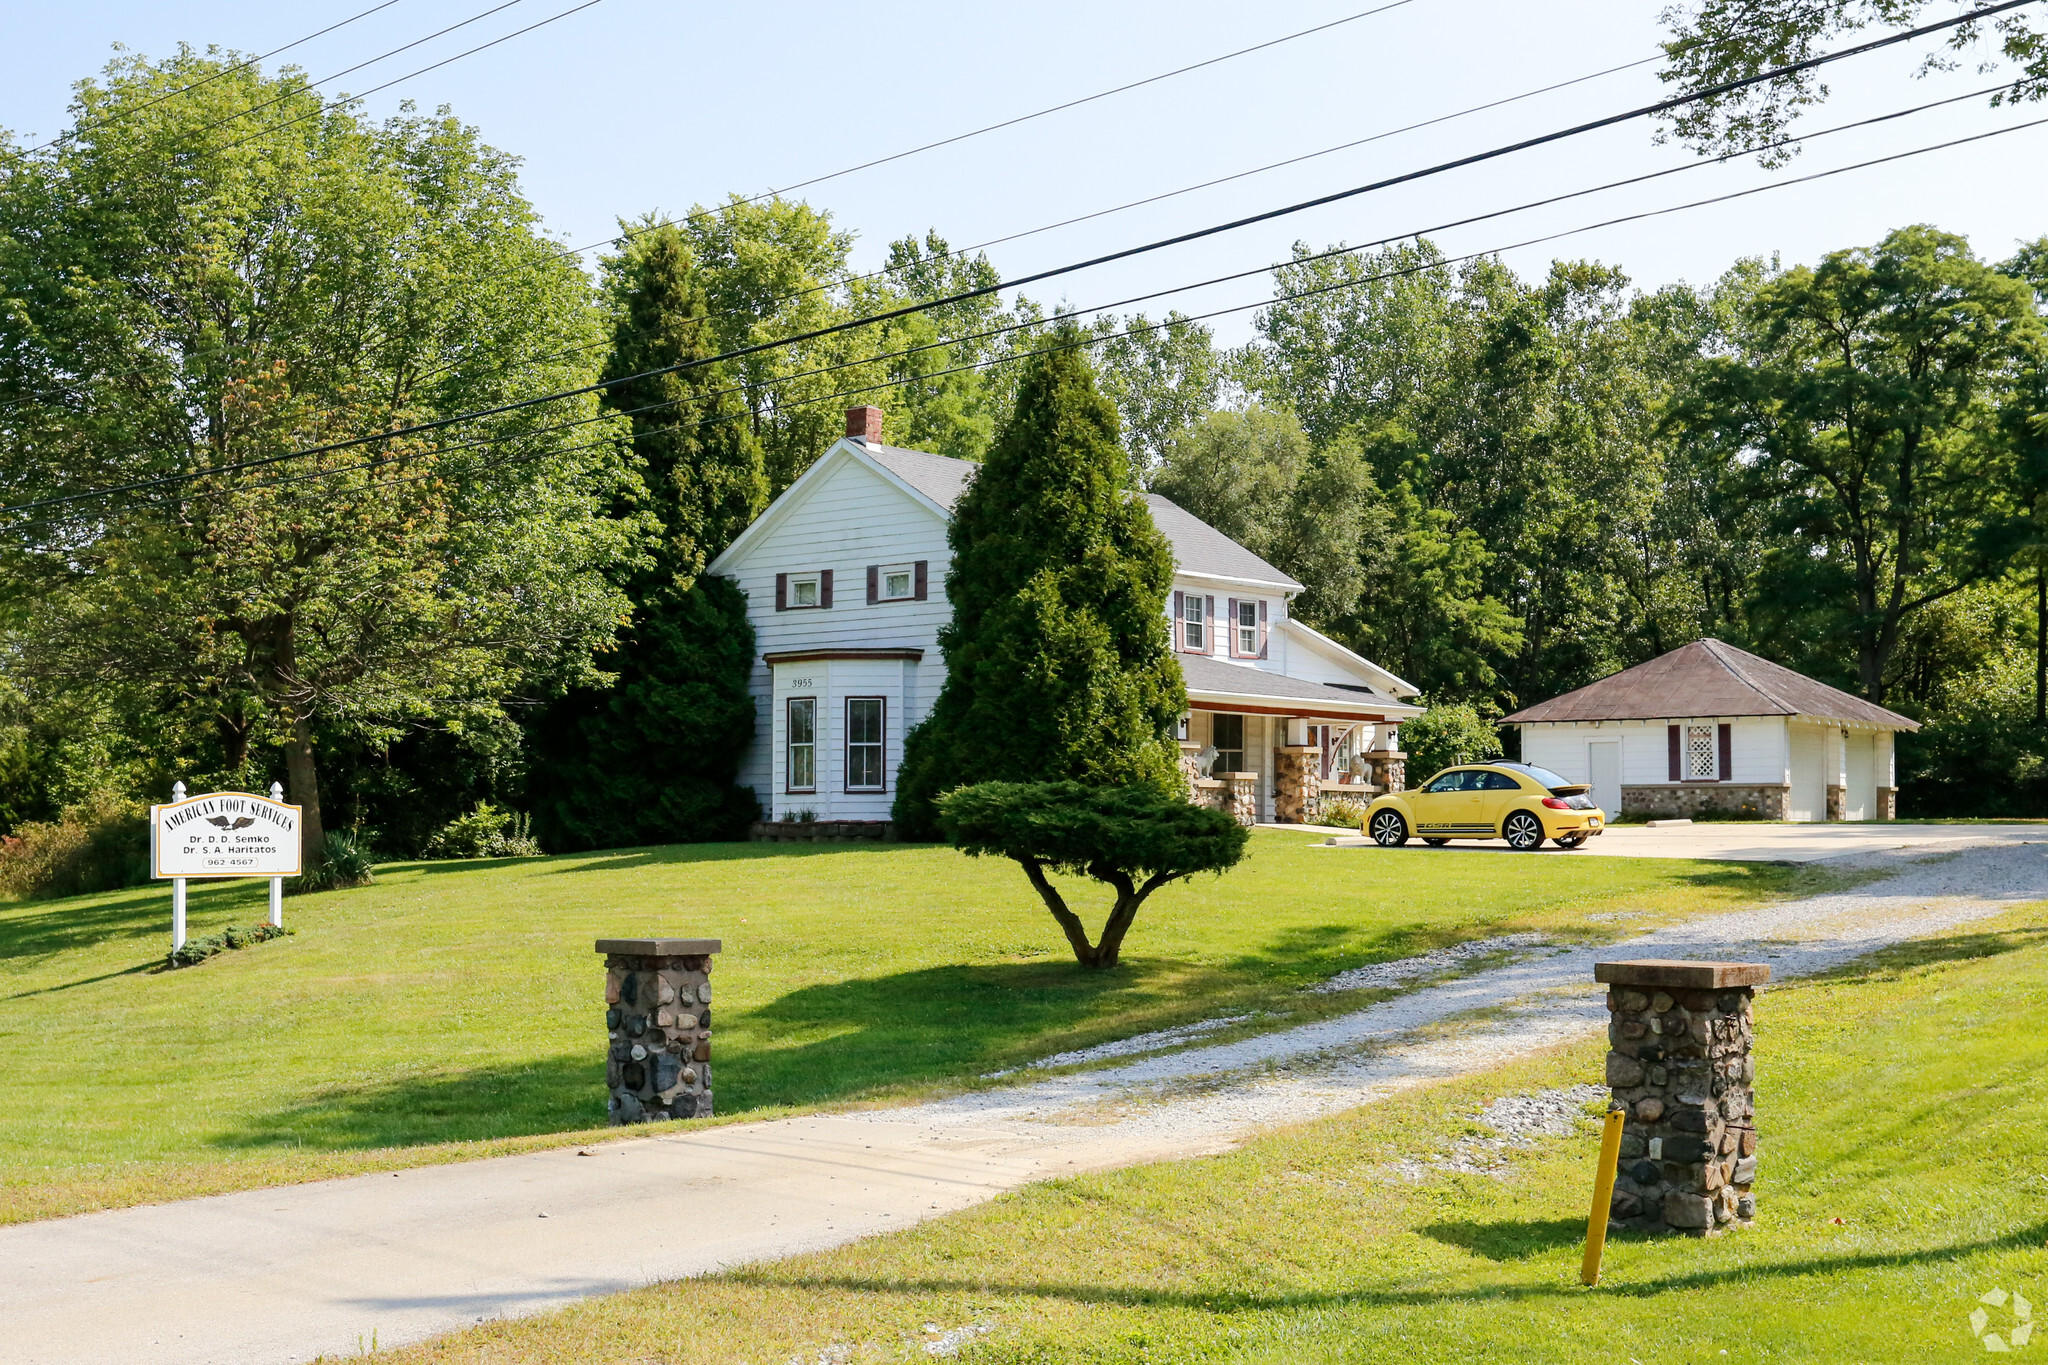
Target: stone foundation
822	831
1838	802
1887	804
657	993
1680	1066
1765	801
1242	797
1297	784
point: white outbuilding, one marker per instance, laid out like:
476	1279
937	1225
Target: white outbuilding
1709	727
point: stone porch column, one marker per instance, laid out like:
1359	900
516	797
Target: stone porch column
1297	796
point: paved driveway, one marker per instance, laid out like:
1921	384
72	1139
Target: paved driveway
1752	843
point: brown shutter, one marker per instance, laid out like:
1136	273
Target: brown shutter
874	584
1230	614
825	588
1262	654
919	578
1727	753
1671	734
782	592
1179	631
1209	621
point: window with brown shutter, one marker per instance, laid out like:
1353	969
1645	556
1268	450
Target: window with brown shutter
919	569
1262	627
1671	735
1727	753
874	584
782	592
1209	624
825	588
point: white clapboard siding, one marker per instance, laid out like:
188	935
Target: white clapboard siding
851	517
1757	752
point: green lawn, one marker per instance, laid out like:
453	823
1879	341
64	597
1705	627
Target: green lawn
454	1009
1905	1164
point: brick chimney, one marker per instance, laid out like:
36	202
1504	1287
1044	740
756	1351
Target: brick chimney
864	424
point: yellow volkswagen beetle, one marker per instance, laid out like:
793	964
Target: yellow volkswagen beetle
1518	802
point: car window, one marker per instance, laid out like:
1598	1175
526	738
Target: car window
1500	782
1543	775
1449	782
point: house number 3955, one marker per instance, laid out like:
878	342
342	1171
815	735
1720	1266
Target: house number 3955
801	684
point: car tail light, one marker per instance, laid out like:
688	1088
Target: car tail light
1556	803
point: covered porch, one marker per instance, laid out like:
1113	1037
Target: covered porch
1270	748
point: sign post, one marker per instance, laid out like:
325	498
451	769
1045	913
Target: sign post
223	834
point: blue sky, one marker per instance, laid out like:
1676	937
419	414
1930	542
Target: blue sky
636	104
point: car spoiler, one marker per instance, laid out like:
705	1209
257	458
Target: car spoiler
1572	789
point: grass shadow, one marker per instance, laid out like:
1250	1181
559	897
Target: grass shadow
41	928
1508	1239
1225	1302
1926	952
548	1095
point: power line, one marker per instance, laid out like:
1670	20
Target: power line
1416	268
207	80
1146	327
346	100
1476	158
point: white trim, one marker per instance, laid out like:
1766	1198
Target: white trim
1280	588
1334	708
1376	675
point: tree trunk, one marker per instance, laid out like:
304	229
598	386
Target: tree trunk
2040	640
1077	934
1103	955
302	778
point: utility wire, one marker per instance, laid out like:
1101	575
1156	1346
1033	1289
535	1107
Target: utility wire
1476	158
1416	268
346	71
1147	327
206	80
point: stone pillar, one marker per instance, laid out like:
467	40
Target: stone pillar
1296	783
1680	1067
657	993
1242	797
1190	767
1887	804
1838	801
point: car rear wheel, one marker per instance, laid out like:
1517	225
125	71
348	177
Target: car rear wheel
1389	830
1523	831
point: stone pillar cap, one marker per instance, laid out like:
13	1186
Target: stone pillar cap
1686	976
660	947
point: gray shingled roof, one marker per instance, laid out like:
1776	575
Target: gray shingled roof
1709	678
1198	548
1205	674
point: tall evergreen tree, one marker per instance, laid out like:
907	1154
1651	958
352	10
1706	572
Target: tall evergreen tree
1057	658
653	759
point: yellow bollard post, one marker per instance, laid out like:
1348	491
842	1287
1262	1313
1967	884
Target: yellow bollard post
1603	1196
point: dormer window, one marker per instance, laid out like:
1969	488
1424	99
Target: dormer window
897	582
1248	628
803	591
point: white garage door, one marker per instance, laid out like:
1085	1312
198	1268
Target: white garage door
1860	800
1809	796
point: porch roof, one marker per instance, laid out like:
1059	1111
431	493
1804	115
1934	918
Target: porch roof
1214	682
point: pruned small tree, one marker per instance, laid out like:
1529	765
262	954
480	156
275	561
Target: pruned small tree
1135	839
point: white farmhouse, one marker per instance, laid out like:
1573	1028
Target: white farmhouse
845	580
1712	727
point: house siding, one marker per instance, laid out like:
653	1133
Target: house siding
851	518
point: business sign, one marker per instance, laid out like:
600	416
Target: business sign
224	834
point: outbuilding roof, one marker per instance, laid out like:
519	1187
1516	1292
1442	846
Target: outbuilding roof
1198	548
1709	678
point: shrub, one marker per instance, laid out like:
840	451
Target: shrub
1445	736
197	950
344	861
1342	810
485	832
1133	838
100	844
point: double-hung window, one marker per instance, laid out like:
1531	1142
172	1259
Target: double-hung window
1248	629
864	744
1194	624
801	745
